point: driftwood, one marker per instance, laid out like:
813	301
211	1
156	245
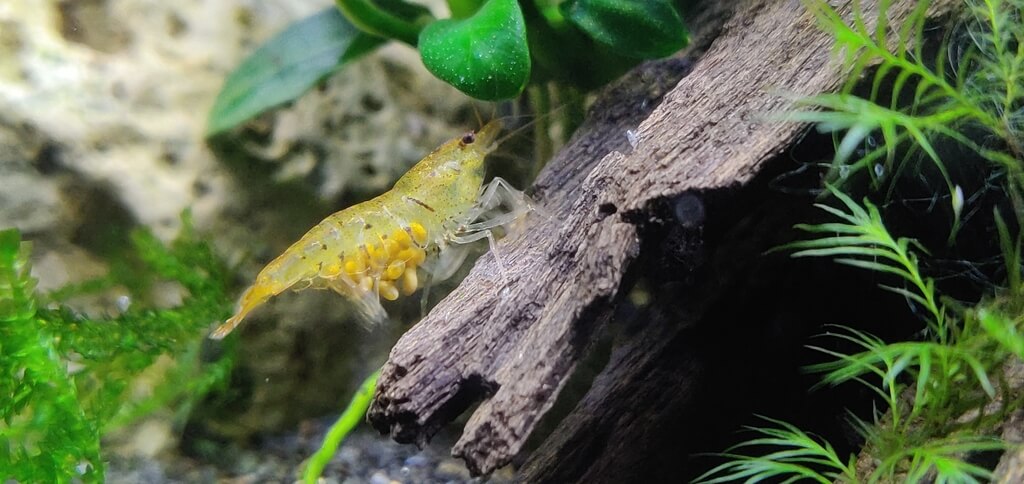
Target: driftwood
699	140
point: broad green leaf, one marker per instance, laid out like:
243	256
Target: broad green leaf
485	56
287	66
463	8
554	47
391	19
644	29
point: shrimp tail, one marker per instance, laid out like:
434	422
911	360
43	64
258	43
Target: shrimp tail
253	297
284	272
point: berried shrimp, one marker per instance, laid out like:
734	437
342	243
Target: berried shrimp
388	246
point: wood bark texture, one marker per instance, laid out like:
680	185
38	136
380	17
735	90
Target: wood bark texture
514	345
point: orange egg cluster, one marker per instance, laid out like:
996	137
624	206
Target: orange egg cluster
390	264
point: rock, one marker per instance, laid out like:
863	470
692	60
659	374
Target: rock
451	469
380	477
95	79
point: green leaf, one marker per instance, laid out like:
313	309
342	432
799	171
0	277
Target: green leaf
391	19
485	56
1002	330
287	66
644	29
463	8
353	414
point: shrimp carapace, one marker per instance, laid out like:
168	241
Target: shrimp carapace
378	248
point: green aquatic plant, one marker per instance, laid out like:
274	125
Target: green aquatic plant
968	92
68	378
350	418
942	395
802	456
47	435
805	458
860	239
926	386
489	49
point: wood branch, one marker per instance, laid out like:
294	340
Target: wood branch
650	402
515	346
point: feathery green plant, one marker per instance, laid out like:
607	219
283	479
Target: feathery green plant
68	378
975	99
929	99
949	374
801	457
864	242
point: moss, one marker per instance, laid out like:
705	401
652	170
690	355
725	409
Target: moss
67	378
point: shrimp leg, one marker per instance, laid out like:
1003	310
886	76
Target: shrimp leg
497	193
366	302
492	244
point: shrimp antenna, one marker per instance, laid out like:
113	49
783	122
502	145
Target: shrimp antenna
510	156
527	125
476	112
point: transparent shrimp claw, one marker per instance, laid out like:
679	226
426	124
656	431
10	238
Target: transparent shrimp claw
499	206
486	214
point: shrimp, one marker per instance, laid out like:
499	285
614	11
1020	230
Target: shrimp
378	248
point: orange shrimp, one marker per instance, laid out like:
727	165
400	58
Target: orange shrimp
376	249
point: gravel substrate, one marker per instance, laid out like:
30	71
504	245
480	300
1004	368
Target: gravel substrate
364	457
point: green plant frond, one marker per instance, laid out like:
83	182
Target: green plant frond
1003	330
866	243
918	104
876	266
992	68
924	94
983	89
854	243
800	456
913	296
994	31
849	250
980	373
865	212
847	368
856	215
863	47
879	80
757	470
929	364
860	117
945	457
828	227
924	375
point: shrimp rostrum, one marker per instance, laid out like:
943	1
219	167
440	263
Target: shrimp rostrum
386	247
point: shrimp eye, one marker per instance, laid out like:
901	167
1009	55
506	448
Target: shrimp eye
468	139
